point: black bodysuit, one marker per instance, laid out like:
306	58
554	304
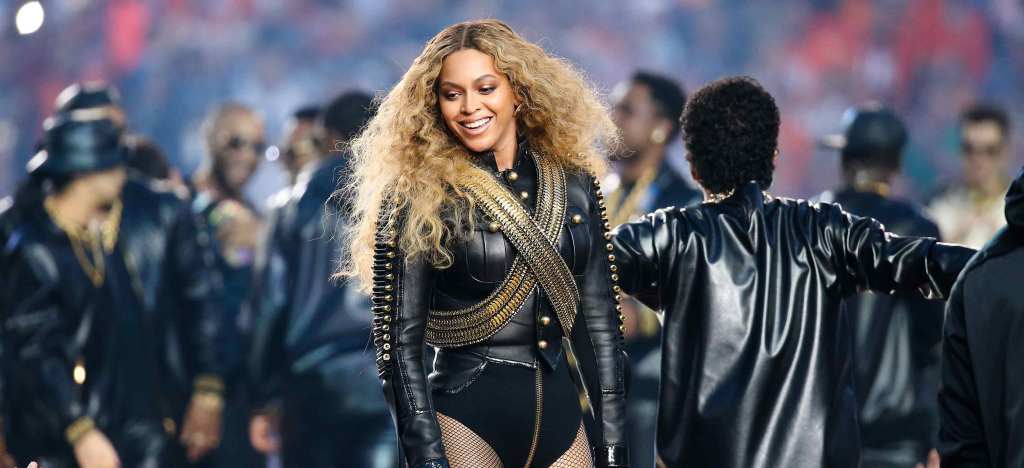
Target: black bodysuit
491	385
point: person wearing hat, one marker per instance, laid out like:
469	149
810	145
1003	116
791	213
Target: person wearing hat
80	382
895	337
118	269
94	95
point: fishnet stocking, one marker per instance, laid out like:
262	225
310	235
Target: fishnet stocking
578	455
464	448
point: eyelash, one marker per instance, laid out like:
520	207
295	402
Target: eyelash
485	91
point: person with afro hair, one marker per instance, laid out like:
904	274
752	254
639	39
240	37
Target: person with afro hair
757	363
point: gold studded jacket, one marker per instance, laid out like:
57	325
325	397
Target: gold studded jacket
412	300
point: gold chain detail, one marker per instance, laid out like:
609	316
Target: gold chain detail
532	237
536	424
623	210
82	238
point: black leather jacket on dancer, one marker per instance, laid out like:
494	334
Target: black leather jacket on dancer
757	367
308	353
895	340
405	293
53	319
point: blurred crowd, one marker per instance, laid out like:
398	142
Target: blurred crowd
184	205
174	59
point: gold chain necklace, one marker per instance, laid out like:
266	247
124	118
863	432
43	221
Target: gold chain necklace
623	210
90	244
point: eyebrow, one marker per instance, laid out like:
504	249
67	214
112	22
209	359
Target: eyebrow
478	79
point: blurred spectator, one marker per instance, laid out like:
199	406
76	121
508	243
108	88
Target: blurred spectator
83	374
646	108
301	144
234	140
158	234
927	57
316	388
971	211
895	337
147	161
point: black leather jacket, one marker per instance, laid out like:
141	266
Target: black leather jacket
981	401
173	262
125	333
166	281
310	332
756	368
481	262
895	340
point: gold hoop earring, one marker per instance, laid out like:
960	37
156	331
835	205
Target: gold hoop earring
517	108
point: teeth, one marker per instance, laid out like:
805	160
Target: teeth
478	123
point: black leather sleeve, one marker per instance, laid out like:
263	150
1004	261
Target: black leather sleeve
600	295
400	298
267	365
637	254
962	439
876	260
196	287
38	332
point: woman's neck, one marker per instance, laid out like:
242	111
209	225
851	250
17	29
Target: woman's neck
505	154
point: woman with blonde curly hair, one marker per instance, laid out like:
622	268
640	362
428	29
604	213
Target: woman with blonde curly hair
479	228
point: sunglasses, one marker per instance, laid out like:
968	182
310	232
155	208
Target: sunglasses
987	150
236	143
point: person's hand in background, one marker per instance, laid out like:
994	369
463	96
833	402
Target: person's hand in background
933	460
94	450
201	431
263	433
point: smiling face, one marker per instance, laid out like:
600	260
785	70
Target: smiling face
477	101
239	149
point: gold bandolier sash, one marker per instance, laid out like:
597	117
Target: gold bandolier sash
537	259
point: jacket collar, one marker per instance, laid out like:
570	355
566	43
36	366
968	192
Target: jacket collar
487	161
748	195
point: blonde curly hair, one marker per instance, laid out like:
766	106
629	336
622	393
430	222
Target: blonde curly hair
407	157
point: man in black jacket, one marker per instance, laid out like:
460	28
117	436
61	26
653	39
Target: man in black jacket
981	400
756	355
314	379
646	109
83	346
157	281
895	337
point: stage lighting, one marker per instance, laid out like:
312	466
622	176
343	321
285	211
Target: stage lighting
29	18
272	153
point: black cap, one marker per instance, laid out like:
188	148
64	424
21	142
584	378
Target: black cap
86	96
74	146
869	130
